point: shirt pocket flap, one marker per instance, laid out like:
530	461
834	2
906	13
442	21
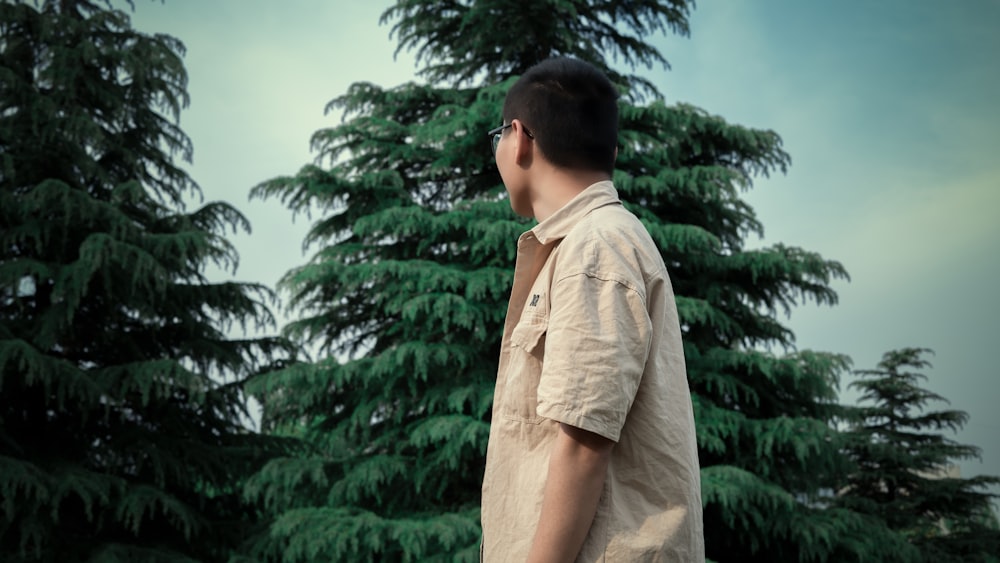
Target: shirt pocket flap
529	333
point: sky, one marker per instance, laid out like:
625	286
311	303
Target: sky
888	110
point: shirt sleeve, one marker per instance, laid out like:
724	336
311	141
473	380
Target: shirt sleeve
595	353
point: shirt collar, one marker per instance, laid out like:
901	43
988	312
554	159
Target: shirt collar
558	225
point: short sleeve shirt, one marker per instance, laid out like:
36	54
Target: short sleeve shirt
592	340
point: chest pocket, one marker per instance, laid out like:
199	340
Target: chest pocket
527	351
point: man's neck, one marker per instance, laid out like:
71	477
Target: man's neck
556	187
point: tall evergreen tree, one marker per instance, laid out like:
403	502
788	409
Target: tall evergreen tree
406	296
117	440
903	462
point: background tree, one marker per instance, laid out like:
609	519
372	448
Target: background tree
116	441
406	294
904	472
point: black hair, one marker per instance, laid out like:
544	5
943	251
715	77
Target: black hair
571	109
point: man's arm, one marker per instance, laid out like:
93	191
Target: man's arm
577	468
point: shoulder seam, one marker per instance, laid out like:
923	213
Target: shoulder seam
604	277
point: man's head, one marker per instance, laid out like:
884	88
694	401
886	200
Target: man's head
570	109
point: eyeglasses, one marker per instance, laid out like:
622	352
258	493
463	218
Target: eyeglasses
496	133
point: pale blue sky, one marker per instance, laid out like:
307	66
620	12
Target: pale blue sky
888	109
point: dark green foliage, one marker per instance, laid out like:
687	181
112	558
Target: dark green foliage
116	443
903	460
491	40
410	295
407	292
768	450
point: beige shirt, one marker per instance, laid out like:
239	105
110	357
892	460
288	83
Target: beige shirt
592	339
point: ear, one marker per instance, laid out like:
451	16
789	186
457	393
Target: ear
524	146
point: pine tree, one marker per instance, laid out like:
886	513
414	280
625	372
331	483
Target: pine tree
121	434
903	462
406	294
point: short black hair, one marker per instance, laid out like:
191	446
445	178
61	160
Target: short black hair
571	109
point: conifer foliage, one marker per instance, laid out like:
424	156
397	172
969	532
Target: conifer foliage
407	290
116	441
902	465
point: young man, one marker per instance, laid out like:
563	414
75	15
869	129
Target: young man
592	453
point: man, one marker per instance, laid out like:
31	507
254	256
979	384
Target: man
592	453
